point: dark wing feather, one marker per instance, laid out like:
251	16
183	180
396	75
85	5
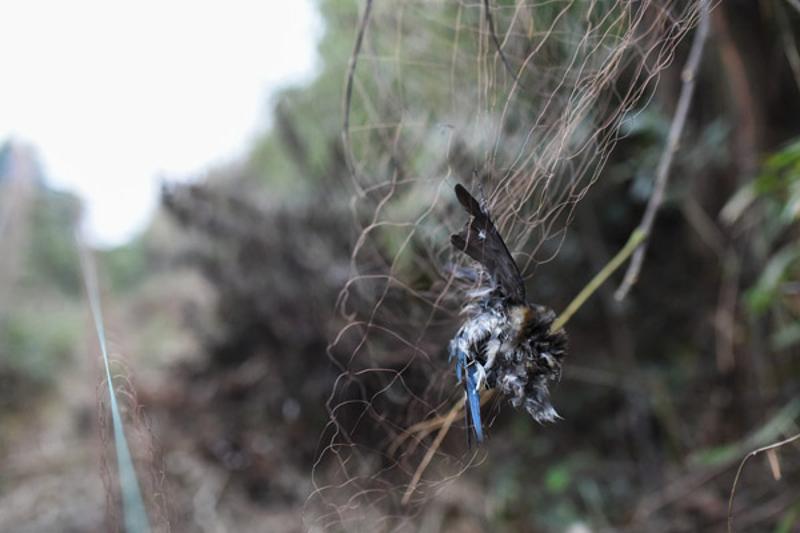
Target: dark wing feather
490	251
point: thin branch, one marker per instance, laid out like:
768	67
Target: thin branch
688	76
448	421
496	41
741	467
348	91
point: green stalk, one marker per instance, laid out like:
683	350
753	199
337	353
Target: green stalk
633	243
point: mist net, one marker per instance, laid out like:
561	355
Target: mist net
520	101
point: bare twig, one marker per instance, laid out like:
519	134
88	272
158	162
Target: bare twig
448	421
741	467
348	91
675	131
496	41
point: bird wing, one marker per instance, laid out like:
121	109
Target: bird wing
481	241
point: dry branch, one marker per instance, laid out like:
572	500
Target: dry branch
675	131
741	467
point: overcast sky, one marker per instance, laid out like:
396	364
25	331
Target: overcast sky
116	94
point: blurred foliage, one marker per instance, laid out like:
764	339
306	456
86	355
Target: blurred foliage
777	191
52	259
41	318
35	349
645	134
128	265
771	203
302	151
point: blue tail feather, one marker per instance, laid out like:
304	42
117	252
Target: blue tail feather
474	403
473	406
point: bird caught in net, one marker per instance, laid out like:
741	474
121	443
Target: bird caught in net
506	343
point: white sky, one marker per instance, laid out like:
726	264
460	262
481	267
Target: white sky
115	94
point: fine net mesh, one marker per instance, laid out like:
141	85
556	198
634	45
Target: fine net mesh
520	101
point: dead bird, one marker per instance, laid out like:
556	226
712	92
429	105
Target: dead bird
505	342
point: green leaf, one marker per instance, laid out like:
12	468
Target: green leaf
761	296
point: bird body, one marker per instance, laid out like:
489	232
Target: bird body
505	342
